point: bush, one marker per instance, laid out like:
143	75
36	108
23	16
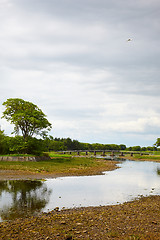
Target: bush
31	146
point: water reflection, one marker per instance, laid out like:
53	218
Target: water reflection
132	179
126	183
22	198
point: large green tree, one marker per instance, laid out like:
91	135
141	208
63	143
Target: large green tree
26	117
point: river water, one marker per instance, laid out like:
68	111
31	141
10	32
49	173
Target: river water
132	180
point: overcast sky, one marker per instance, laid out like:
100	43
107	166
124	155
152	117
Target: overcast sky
72	59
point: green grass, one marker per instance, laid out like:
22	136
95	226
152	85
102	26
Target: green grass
58	154
148	157
58	164
155	152
17	155
55	155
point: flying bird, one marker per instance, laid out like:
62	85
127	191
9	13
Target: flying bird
129	39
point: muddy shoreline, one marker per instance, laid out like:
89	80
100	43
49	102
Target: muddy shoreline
138	219
23	175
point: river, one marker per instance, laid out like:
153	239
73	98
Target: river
132	180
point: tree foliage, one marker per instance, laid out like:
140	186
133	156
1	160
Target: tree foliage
4	146
31	146
157	144
58	144
26	117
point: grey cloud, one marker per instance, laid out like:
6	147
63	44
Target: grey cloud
72	59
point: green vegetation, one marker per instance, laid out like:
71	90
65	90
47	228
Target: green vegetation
3	143
64	144
28	119
147	157
143	149
56	164
157	144
59	155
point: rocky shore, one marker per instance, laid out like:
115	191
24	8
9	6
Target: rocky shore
135	220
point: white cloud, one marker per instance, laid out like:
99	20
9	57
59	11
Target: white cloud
140	125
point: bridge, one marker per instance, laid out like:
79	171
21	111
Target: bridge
102	152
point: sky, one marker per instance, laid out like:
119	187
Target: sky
74	61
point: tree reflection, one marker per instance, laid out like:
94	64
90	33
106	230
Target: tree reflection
28	198
3	186
158	171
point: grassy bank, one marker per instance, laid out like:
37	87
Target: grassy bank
62	165
151	157
148	157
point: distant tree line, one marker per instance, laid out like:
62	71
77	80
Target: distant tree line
64	144
29	120
14	145
143	149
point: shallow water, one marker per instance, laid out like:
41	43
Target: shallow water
131	180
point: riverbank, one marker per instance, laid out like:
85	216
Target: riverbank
150	158
57	167
63	166
132	220
129	221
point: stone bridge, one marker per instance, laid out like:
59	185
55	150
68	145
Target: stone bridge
102	152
